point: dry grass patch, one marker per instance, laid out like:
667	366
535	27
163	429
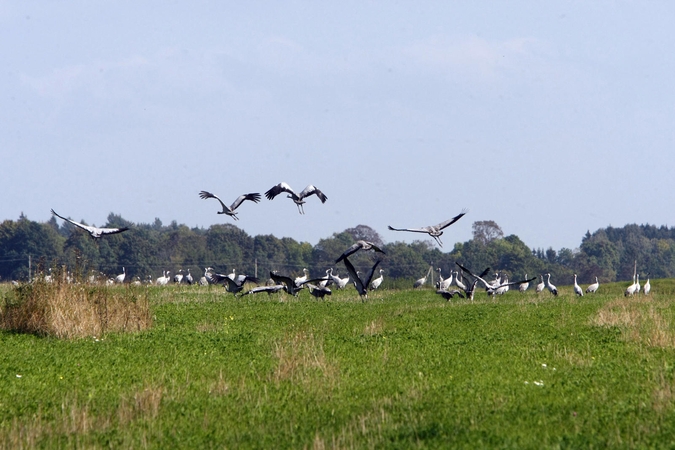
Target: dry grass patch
640	319
367	430
74	310
220	387
76	420
663	397
301	358
374	328
143	405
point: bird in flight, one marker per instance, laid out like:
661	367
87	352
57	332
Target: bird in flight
297	198
230	210
359	245
94	232
361	285
433	231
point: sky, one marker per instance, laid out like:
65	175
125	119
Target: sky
550	118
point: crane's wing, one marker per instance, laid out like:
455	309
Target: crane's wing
282	279
254	197
105	231
278	189
268	289
312	190
218	277
205	195
414	230
353	249
513	283
449	222
476	277
77	224
369	277
352	273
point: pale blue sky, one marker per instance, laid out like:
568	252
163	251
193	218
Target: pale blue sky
550	118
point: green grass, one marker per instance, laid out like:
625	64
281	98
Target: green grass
403	369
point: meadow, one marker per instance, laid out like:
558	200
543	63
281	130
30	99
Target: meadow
404	369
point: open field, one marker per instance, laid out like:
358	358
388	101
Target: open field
403	369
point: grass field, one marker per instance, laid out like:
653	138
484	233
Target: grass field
403	369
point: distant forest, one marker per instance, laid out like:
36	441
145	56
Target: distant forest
148	249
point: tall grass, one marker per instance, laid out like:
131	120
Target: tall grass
65	310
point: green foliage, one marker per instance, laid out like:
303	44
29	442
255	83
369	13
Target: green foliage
149	249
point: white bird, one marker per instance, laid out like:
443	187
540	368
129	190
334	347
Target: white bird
325	280
232	275
164	279
361	285
206	279
433	231
592	288
444	284
541	286
299	280
377	281
49	278
637	283
633	288
137	281
503	286
577	288
522	287
120	278
458	281
341	283
297	198
94	232
188	278
552	289
230	210
420	282
359	245
178	277
648	287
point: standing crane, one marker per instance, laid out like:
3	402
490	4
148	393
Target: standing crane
377	281
339	282
120	278
444	284
541	286
592	288
577	288
188	278
647	287
551	288
422	281
299	199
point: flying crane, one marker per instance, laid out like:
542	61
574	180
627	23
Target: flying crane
433	231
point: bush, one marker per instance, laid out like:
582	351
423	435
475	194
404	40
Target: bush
69	311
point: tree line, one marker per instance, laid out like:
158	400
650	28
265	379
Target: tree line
148	249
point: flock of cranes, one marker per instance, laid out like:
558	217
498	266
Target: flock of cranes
319	287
